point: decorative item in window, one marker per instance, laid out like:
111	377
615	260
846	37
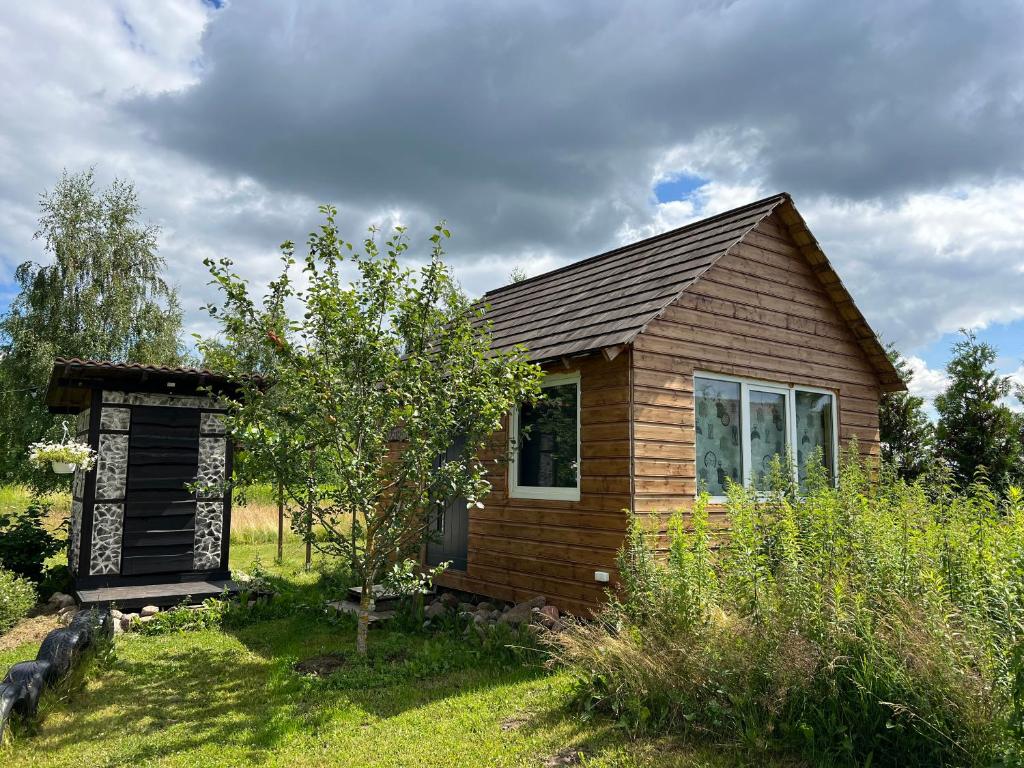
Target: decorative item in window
745	453
814	418
718	402
771	406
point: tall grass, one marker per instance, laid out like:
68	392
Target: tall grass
876	622
254	523
254	518
16	498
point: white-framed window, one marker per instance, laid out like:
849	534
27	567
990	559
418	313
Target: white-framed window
544	443
742	424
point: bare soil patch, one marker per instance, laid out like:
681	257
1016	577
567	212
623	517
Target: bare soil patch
329	663
567	756
515	722
30	630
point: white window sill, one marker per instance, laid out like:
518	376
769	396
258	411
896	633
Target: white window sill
545	493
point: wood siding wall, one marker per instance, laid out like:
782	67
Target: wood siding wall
761	313
519	548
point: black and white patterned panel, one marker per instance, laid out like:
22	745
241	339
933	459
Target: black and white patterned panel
77	495
107	528
211	423
82	424
111	480
209	532
212	476
212	465
149	398
75	535
115	419
111	467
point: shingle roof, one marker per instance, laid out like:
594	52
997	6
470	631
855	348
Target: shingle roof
609	299
80	365
72	378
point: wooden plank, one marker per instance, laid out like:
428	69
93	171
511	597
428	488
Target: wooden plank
851	368
782	370
135	566
700	312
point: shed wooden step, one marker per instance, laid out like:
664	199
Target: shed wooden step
160	595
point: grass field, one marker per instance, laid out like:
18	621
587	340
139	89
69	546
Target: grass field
231	698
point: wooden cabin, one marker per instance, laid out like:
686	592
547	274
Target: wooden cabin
672	364
150	522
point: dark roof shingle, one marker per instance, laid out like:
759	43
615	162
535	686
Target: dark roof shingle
608	299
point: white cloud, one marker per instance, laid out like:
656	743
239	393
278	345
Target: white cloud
1017	377
540	132
927	382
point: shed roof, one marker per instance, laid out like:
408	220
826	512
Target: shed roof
609	299
72	378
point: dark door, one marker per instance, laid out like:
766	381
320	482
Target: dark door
160	511
450	529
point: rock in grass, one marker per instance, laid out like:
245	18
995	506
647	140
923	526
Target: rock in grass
60	600
149	610
435	610
523	612
449	600
547	617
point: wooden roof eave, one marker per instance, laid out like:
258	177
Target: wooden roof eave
888	377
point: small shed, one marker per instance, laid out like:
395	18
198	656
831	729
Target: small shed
150	521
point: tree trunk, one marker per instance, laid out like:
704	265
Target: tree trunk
310	502
280	522
363	624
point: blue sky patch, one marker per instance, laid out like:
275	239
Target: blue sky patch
679	187
1007	338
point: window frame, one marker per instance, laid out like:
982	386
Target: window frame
546	493
789	390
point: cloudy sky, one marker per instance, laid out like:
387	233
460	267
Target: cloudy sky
545	132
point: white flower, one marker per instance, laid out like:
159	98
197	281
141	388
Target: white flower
42	453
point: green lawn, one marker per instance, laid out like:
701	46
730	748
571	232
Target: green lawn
231	698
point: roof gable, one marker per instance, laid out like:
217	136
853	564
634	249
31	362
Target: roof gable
609	299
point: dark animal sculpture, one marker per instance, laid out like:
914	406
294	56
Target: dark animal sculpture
59	652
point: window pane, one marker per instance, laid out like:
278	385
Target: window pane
719	453
767	433
547	440
814	432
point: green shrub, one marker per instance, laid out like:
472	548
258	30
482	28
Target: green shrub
25	543
56	578
874	622
183	618
17	596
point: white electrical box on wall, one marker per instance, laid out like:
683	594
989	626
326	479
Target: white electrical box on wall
601	576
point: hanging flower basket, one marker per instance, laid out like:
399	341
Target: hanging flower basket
63	457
